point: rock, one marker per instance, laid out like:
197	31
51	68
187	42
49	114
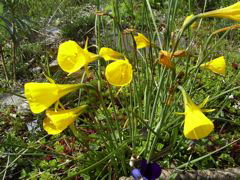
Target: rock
33	126
13	100
53	35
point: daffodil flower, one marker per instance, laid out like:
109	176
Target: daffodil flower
231	12
196	124
165	57
56	121
71	57
141	41
186	20
110	54
41	96
119	73
217	65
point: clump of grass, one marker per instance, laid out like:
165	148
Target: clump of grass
132	99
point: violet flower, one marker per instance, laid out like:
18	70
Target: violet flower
147	171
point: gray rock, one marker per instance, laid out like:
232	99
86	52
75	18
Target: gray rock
13	100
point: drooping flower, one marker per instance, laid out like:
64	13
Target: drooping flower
41	96
56	121
186	20
217	65
141	41
119	73
196	124
110	54
231	12
71	57
147	171
165	57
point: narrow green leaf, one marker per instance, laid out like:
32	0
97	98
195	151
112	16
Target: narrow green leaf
1	8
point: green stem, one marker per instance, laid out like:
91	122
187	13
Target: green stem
4	63
184	27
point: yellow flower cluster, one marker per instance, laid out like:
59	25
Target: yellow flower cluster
71	58
41	96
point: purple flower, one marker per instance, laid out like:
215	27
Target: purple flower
147	171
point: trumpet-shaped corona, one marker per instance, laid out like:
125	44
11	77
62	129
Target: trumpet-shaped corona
71	57
141	41
40	96
56	121
119	73
231	12
217	65
110	54
196	124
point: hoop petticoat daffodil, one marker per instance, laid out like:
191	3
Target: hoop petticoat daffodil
119	73
141	41
196	124
231	12
110	54
217	65
165	57
71	57
41	96
56	121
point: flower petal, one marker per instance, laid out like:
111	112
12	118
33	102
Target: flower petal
110	54
136	174
208	110
70	57
57	121
217	65
141	41
203	103
151	171
231	12
119	73
165	59
196	124
41	96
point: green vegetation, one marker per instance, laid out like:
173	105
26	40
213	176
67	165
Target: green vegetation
138	120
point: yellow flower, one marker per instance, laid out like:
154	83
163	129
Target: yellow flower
194	25
119	73
71	57
231	12
56	121
141	41
40	96
110	54
196	124
217	65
